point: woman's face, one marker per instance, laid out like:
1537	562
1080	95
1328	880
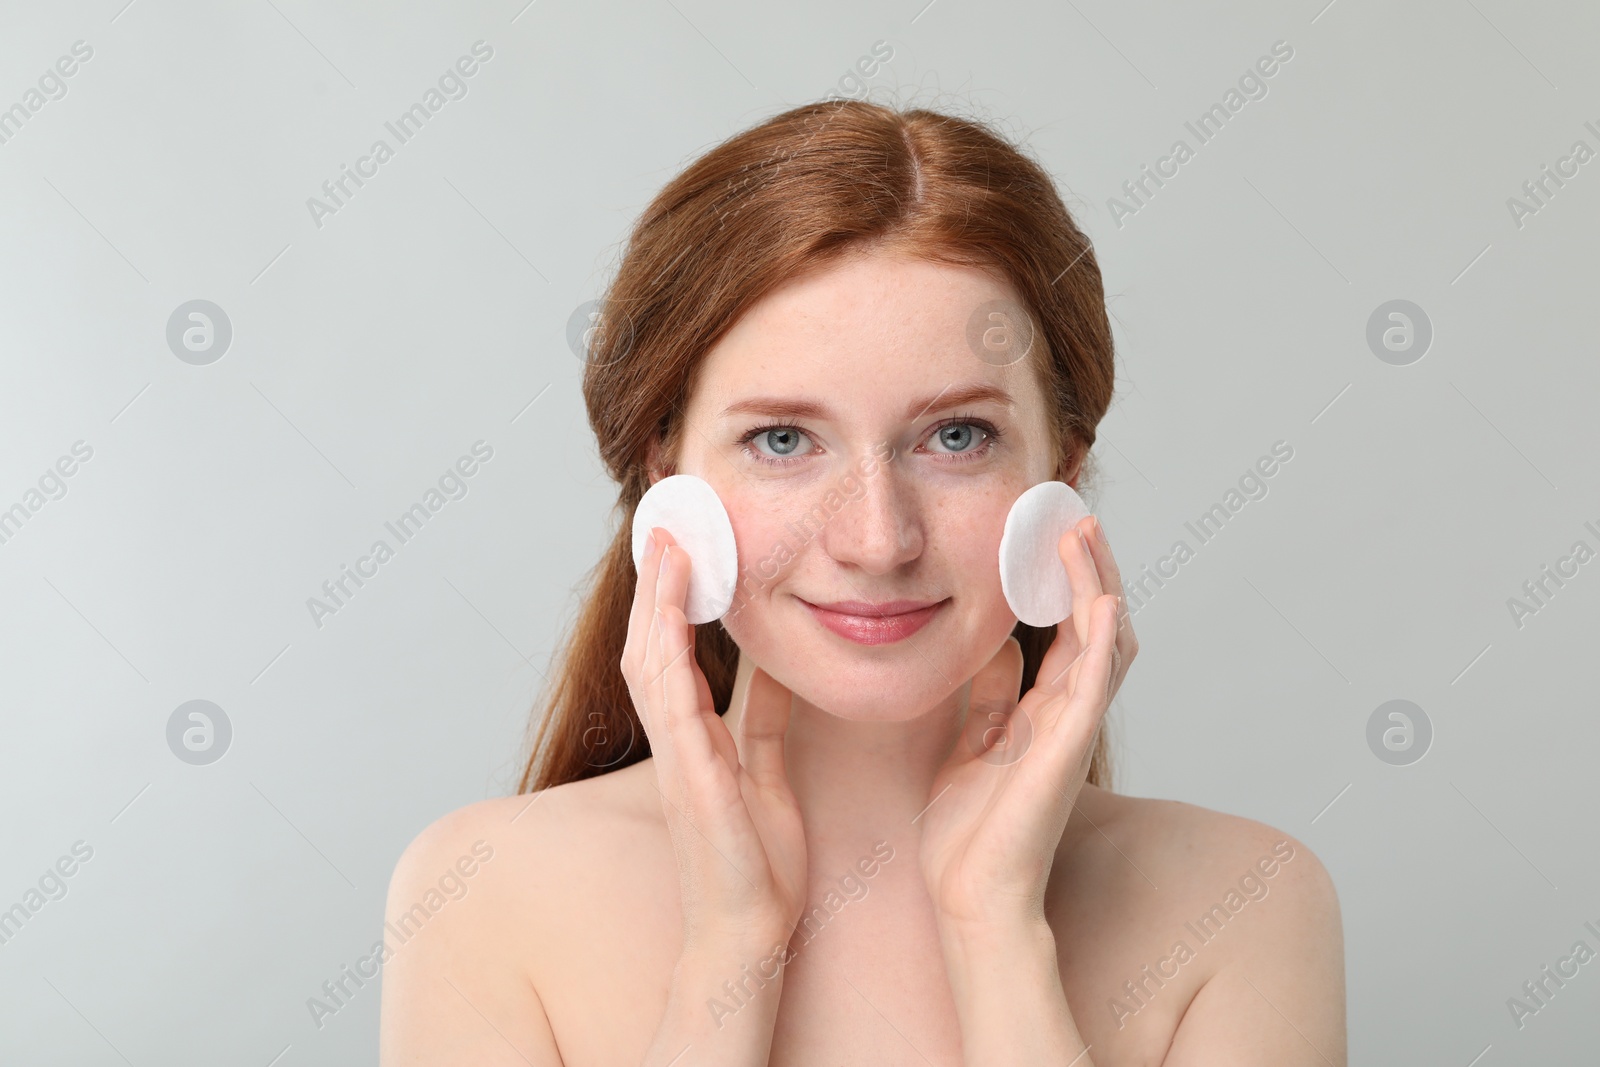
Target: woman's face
867	453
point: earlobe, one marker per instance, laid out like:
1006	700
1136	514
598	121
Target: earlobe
653	465
1071	476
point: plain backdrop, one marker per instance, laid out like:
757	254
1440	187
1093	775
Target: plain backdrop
372	347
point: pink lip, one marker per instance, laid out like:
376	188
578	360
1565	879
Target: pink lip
874	624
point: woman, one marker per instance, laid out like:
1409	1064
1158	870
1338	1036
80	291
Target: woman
866	816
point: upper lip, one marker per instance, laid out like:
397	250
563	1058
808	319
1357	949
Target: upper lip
873	610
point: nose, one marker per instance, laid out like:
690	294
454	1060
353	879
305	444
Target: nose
881	527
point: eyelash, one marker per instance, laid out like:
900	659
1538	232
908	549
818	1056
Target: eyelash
993	436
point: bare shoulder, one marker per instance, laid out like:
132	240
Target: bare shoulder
481	900
536	855
1257	913
1199	843
545	836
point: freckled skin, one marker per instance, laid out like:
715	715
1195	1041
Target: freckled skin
925	525
567	946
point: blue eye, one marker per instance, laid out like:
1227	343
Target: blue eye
784	440
956	435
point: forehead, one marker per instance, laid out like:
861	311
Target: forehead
882	326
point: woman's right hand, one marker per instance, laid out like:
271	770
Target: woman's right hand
735	825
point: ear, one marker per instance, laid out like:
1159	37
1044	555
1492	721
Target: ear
1070	470
653	462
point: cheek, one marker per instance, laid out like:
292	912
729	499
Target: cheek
767	549
972	551
767	552
969	532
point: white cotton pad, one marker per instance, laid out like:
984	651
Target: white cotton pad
689	509
1032	575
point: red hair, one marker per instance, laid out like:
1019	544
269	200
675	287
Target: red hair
787	197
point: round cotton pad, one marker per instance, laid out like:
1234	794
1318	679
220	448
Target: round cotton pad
1032	575
689	509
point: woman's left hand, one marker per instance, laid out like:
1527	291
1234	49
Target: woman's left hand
1001	801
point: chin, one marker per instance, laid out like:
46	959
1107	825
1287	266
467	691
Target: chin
880	699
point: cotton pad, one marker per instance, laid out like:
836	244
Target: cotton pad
1032	575
689	509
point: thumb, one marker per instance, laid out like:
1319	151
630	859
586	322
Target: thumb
762	725
992	701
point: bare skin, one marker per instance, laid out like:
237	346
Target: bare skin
939	905
568	939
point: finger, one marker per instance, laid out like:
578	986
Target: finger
763	724
648	698
696	793
642	614
992	703
1077	715
1105	564
704	687
669	581
1064	653
999	682
679	693
1073	548
654	662
672	587
1111	582
706	699
1060	659
1072	632
641	627
695	739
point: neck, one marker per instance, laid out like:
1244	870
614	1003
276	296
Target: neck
857	780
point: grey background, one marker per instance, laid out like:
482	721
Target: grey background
430	312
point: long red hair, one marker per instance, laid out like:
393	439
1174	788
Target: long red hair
787	197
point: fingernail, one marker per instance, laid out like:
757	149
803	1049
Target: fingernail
1082	542
650	542
1099	531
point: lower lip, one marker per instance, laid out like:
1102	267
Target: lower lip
874	629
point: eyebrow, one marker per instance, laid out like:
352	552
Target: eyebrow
797	408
